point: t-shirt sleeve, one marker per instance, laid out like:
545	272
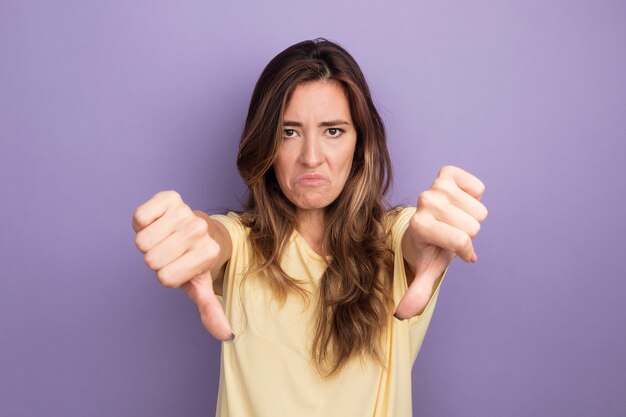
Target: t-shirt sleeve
239	254
417	324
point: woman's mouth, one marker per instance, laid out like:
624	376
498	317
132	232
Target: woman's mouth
312	179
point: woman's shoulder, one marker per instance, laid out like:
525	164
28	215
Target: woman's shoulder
234	222
398	216
396	223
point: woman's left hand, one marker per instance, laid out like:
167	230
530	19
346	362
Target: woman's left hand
447	218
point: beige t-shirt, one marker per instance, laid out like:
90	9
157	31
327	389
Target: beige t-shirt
267	371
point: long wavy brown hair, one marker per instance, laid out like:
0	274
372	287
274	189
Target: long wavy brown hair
355	294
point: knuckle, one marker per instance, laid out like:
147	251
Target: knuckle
179	212
432	200
173	194
199	226
444	170
141	243
441	184
424	198
183	210
484	214
150	260
139	217
481	187
474	229
165	278
461	241
170	195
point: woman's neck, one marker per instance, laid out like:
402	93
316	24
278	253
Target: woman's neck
310	225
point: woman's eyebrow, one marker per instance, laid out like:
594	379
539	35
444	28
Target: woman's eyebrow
327	123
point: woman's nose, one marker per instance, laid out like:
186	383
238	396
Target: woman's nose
312	151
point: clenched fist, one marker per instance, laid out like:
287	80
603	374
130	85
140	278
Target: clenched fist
179	245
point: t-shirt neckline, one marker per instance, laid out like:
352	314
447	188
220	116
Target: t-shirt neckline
308	248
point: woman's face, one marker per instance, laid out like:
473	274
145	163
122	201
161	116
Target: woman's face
319	139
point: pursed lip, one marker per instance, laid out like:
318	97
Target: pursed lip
311	178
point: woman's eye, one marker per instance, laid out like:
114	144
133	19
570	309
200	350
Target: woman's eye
335	132
289	133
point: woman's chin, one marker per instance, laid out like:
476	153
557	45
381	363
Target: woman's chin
313	204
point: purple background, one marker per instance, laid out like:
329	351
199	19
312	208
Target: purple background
102	104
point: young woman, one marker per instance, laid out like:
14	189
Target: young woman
322	293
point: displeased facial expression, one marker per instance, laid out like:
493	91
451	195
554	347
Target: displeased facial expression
319	139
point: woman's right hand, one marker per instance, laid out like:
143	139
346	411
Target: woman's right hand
177	245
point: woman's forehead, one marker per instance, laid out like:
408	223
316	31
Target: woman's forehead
317	100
